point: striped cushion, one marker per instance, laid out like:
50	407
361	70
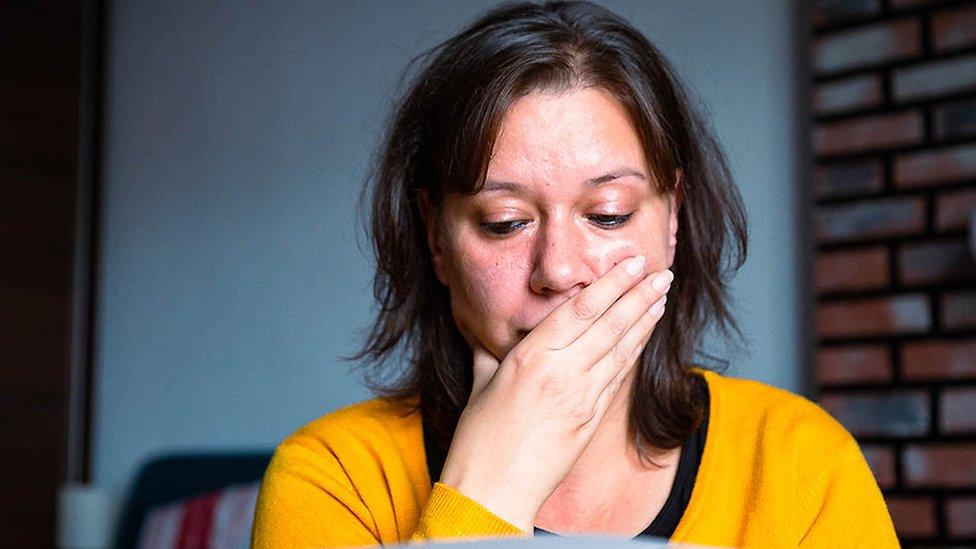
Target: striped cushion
218	520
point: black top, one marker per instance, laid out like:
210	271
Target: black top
667	518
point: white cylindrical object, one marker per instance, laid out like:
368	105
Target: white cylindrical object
86	516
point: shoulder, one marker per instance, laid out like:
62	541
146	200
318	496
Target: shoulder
788	459
777	416
373	422
337	477
357	441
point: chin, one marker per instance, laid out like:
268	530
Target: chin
502	346
516	337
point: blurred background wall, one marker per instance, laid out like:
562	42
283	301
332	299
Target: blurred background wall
894	190
236	139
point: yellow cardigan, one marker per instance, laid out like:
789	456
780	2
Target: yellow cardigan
776	471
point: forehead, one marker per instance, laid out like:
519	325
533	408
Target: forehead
571	136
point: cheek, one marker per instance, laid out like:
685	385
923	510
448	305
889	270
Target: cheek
656	243
604	253
490	282
645	239
496	276
656	252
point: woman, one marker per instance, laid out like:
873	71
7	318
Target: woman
554	227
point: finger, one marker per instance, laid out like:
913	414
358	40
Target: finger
628	350
484	365
608	389
571	319
606	394
616	322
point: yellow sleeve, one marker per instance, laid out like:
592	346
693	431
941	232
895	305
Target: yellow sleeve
308	500
449	514
845	504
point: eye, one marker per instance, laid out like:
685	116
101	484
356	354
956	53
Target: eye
609	221
502	228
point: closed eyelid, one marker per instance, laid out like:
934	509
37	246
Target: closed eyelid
505	227
610	221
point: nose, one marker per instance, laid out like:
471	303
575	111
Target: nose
560	262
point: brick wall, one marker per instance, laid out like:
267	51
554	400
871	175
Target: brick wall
894	185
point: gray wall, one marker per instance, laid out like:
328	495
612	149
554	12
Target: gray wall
237	138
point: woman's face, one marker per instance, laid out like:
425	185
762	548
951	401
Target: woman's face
568	195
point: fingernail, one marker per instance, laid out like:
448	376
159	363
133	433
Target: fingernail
662	281
635	265
658	306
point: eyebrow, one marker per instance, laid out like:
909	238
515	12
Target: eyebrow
494	185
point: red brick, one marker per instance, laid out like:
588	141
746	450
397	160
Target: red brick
939	359
881	459
935	78
953	209
877	316
852	364
851	270
903	413
844	95
959	310
955	120
867	45
866	133
912	516
935	166
848	178
933	262
961	516
954	28
869	219
940	465
958	413
833	11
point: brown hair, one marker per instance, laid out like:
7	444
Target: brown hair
440	140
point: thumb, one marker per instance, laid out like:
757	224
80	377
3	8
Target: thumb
485	366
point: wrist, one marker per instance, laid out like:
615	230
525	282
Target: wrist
502	501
